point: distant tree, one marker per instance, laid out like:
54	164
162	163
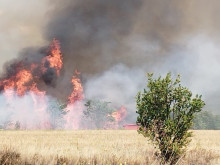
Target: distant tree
217	122
98	112
165	114
206	120
17	125
57	111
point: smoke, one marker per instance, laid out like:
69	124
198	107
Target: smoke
199	65
156	36
26	111
119	86
21	26
114	43
96	35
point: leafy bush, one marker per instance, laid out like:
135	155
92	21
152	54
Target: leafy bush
165	114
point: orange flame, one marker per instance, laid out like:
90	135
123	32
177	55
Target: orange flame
21	83
120	114
75	106
54	59
24	82
22	78
77	94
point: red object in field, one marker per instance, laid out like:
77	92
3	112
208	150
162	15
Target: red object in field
131	126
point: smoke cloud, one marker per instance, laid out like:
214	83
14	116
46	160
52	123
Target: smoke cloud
21	26
155	36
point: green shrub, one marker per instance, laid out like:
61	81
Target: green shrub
165	114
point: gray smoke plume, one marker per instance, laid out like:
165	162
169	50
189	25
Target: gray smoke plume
154	35
91	31
96	35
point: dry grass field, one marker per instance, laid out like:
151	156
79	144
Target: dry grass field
97	147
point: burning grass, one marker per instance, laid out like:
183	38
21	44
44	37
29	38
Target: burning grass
97	147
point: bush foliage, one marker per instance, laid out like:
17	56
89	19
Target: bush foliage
165	114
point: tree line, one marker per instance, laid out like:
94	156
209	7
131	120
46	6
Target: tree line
206	120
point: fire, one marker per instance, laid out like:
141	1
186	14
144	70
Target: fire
54	59
23	85
22	82
23	98
22	78
120	114
74	108
77	94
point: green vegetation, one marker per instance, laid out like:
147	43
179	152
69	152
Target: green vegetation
206	120
165	113
98	113
57	111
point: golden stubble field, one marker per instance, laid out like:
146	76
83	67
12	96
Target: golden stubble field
97	147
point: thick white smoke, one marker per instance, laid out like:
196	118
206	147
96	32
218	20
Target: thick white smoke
28	111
